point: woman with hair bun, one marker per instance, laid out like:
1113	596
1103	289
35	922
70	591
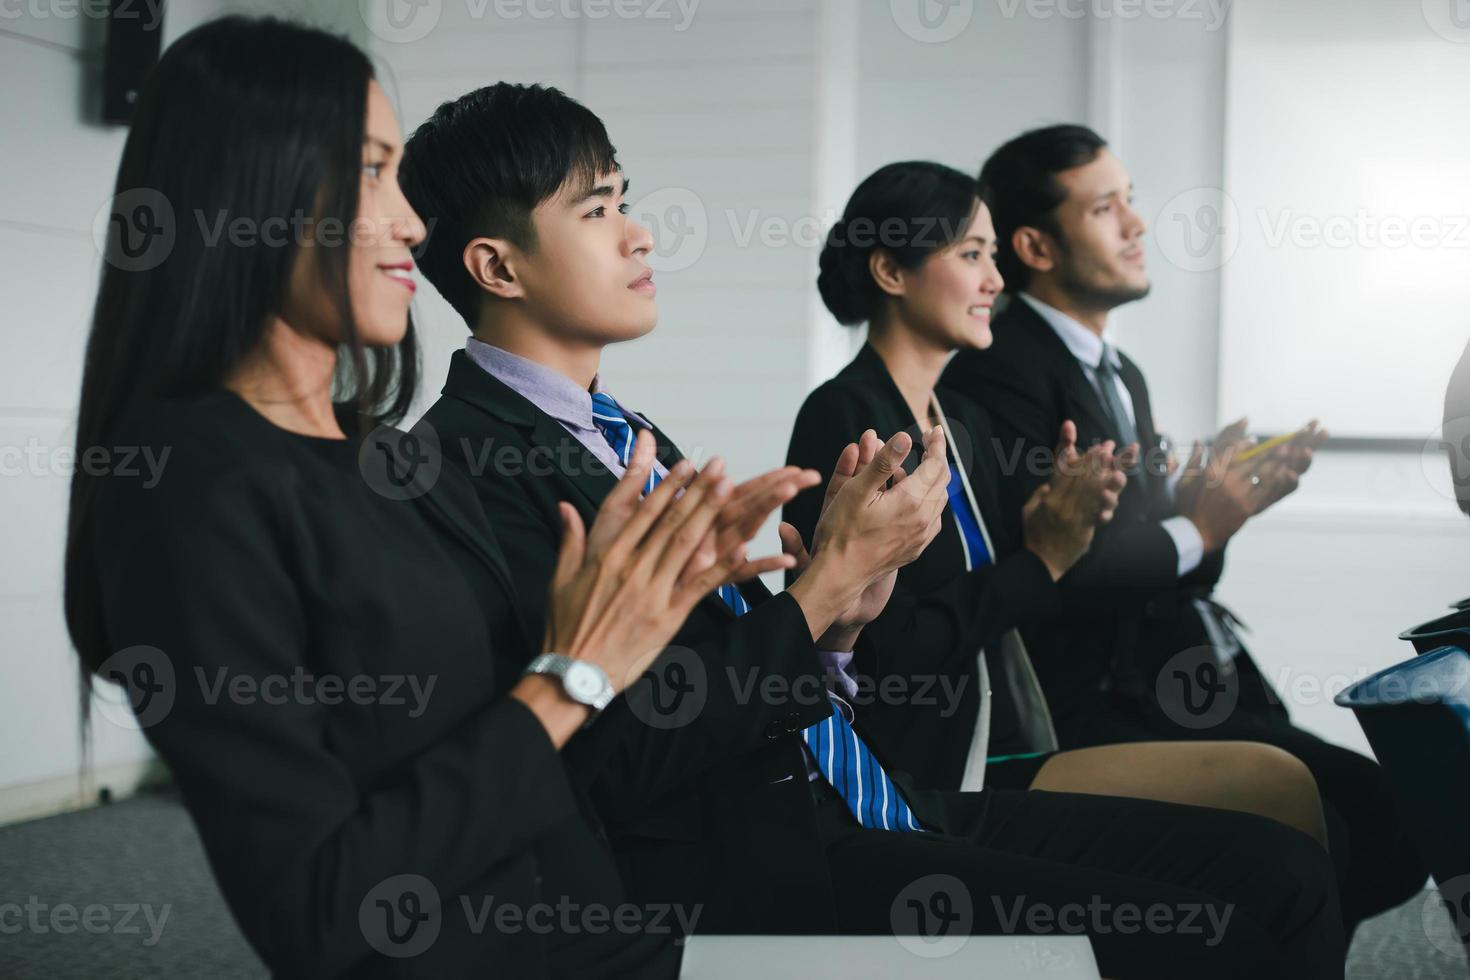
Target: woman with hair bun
913	258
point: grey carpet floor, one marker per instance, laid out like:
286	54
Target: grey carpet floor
123	891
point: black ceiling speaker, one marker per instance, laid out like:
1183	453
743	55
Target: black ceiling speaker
134	38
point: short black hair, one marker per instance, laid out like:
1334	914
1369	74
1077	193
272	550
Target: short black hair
482	163
1019	183
910	210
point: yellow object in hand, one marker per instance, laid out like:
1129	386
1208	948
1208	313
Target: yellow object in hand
1266	446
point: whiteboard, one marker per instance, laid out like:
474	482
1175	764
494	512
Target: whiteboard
1343	232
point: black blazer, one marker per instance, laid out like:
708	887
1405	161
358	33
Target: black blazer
263	555
940	615
705	798
1126	606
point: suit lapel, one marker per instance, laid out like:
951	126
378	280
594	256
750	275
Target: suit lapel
1083	397
868	366
983	486
584	477
591	481
584	473
1148	436
1080	393
754	591
892	413
668	454
578	470
1138	394
452	505
481	540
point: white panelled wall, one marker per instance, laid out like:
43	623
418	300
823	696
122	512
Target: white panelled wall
53	185
743	125
56	172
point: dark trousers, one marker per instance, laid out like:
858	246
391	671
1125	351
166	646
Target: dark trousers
1161	890
1382	866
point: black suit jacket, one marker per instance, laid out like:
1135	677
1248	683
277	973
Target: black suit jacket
1126	608
940	615
260	556
706	804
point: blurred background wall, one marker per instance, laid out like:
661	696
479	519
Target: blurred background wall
743	125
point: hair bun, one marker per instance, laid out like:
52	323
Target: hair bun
840	288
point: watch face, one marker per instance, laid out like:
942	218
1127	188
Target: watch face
583	682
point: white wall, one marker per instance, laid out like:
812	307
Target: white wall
924	96
55	174
1346	288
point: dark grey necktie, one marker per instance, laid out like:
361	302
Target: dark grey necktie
1107	381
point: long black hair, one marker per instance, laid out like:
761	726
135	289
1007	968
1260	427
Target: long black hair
910	210
242	118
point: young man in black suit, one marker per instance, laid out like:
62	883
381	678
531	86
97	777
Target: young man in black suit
737	780
1143	651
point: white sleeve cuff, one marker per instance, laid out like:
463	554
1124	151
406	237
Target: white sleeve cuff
1187	542
1171	483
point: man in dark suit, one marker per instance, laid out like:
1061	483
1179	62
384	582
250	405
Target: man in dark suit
735	776
1143	651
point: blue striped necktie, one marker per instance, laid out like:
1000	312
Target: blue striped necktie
844	760
850	766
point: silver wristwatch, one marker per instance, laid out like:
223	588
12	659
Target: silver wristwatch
583	682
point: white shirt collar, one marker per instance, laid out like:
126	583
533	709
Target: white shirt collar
1085	345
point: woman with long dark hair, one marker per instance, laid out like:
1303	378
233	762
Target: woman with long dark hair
312	618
